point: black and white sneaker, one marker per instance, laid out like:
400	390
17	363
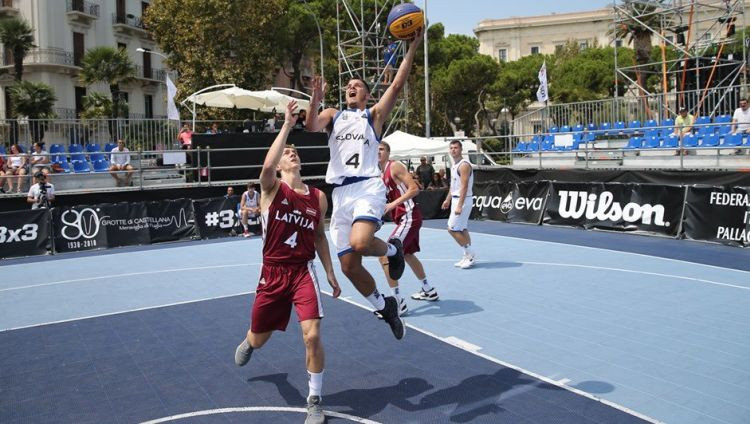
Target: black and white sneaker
431	295
396	262
403	308
391	315
243	353
315	413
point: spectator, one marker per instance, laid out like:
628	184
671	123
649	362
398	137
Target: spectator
389	57
301	118
2	174
120	160
42	193
278	122
741	118
185	137
683	124
16	165
416	179
214	129
424	172
230	192
445	178
247	126
249	206
40	160
437	182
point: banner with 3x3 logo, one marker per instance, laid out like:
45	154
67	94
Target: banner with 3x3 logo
24	233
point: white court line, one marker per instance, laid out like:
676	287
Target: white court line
522	370
130	274
598	248
128	311
257	409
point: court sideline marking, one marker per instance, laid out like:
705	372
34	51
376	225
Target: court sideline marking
257	409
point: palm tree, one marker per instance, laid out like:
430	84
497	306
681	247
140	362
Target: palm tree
110	66
17	36
639	25
98	105
34	100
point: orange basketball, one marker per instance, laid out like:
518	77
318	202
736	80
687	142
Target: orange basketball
404	20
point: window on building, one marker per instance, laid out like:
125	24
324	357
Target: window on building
144	6
618	43
80	94
706	37
149	106
78	48
670	38
583	44
120	11
147	72
122	46
559	48
534	49
502	55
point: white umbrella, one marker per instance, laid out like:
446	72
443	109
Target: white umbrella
264	101
275	101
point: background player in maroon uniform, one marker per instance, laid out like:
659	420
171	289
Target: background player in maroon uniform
292	215
400	191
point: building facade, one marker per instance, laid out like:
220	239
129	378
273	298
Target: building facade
64	30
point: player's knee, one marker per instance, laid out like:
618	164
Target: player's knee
312	340
360	246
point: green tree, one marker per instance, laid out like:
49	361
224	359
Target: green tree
18	37
110	66
211	42
34	100
98	105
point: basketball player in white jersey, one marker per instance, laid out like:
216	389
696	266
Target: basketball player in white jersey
359	194
460	200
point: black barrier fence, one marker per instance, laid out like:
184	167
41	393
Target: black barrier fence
714	214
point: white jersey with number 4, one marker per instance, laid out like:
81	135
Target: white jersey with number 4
354	146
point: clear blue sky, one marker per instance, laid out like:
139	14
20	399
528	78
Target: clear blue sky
461	16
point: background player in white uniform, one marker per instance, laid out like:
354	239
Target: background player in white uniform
460	200
359	193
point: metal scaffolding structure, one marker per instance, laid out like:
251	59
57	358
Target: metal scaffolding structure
699	31
362	37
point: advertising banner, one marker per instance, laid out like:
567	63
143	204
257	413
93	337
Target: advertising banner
24	233
653	209
171	220
217	217
511	202
718	214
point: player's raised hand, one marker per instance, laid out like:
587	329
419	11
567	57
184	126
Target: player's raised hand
414	42
319	88
290	117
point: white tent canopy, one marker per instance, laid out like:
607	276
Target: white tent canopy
405	146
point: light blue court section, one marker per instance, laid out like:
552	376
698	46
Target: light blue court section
668	339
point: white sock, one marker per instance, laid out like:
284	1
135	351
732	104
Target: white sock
426	286
467	250
244	226
376	300
396	292
391	250
315	383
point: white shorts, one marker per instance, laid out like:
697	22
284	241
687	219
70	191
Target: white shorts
460	222
363	200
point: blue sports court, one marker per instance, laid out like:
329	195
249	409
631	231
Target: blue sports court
552	325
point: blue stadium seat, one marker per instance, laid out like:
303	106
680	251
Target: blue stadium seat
651	143
634	125
520	147
65	166
732	140
100	166
651	123
548	143
81	166
109	146
98	156
56	148
671	141
666	132
537	138
618	128
634	143
91	148
565	129
591	127
578	128
77	157
58	158
705	131
690	140
75	148
604	126
590	137
533	146
2	149
23	148
702	120
667	122
725	129
722	119
649	133
710	141
553	130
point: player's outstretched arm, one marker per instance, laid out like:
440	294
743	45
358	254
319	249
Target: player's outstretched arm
399	172
268	172
321	246
383	108
318	121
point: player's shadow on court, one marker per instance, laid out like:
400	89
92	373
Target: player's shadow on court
496	265
445	308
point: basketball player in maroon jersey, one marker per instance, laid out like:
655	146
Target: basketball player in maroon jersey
400	191
292	217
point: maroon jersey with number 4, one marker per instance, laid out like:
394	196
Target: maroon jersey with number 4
289	226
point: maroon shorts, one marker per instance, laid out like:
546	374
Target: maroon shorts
407	230
279	288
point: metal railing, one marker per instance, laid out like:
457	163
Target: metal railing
150	73
46	56
83	7
129	20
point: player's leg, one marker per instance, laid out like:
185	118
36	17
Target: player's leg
403	308
457	227
243	219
